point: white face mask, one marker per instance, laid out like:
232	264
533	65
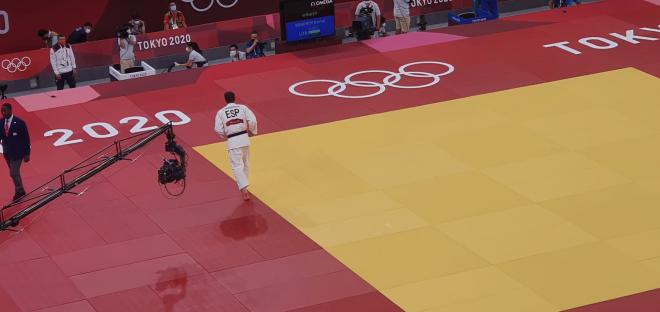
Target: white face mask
172	8
188	49
232	53
88	31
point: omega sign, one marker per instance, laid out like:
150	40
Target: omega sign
4	22
421	3
320	2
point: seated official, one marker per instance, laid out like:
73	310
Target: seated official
80	34
195	56
236	55
553	4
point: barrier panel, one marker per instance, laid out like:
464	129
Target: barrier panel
27	64
20	29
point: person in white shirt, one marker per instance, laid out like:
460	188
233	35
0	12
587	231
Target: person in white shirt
194	56
235	54
402	16
63	62
237	123
369	8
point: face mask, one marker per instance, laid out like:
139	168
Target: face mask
88	31
188	49
172	8
232	53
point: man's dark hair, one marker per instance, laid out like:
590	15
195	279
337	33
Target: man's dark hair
254	32
233	46
42	32
6	105
61	36
88	24
230	97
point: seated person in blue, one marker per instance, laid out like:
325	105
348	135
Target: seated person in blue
490	6
563	3
254	47
79	35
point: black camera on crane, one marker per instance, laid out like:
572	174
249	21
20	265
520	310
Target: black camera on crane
173	170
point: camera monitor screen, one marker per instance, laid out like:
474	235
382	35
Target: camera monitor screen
307	19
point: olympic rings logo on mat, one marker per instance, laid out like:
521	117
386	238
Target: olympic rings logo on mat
208	7
337	88
16	64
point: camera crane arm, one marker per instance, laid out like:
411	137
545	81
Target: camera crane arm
66	187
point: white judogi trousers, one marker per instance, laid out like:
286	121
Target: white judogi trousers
240	165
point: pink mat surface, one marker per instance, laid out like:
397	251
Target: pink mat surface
53	99
410	40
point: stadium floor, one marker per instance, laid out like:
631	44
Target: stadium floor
489	174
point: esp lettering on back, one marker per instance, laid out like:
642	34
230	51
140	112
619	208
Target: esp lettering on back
231	113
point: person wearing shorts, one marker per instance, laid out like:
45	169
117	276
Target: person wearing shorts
402	16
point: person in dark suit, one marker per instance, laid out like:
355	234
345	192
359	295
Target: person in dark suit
16	146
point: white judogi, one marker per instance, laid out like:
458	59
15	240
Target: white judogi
235	122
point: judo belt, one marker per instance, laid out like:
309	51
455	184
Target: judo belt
236	134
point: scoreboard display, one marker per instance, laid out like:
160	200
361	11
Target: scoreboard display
307	19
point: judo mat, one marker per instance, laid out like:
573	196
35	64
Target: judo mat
488	169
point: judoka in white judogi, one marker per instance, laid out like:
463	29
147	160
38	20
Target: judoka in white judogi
237	122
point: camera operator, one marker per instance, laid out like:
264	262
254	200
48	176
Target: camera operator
137	25
194	56
49	37
126	41
254	47
563	3
368	12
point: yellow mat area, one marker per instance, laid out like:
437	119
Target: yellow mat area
534	199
